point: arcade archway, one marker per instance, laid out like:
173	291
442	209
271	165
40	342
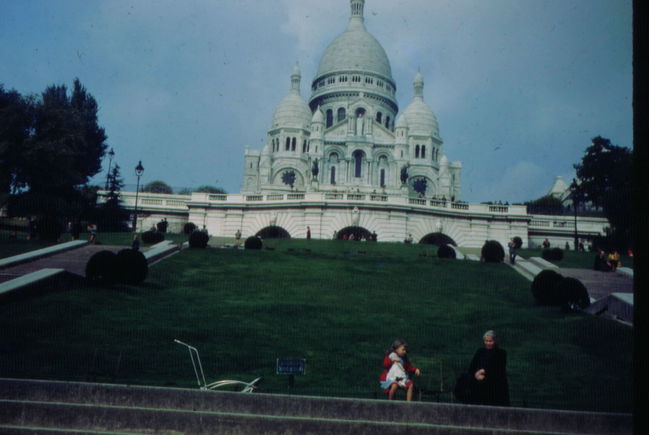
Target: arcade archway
273	232
438	239
358	233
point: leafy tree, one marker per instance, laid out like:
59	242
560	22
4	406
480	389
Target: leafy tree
210	189
16	120
604	180
157	187
111	215
50	146
547	204
67	144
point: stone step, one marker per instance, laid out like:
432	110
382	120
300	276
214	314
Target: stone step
327	409
543	263
120	419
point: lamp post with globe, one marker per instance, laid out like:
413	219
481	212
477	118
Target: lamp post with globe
139	169
111	154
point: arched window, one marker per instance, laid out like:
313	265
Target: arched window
293	145
333	175
304	146
417	152
358	163
382	180
378	117
288	143
330	118
387	122
423	151
341	114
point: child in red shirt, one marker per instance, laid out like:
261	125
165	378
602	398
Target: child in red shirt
396	368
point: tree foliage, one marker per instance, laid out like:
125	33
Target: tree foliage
604	180
16	121
157	187
210	189
50	146
111	215
547	204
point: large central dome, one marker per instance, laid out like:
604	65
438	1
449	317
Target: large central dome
355	49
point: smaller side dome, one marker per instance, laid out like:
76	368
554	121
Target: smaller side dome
318	116
401	122
293	111
421	119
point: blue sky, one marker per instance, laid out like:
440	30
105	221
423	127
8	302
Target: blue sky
519	87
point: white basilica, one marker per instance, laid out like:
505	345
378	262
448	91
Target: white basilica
347	162
350	135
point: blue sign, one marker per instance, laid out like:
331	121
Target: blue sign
290	366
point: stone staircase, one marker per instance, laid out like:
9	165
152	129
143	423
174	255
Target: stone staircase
31	406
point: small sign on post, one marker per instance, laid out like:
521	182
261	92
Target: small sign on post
290	367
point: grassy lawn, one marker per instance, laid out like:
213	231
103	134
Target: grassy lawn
10	246
337	304
574	259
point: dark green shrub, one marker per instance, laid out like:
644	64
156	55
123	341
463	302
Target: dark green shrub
493	252
252	242
546	288
198	239
552	254
518	242
102	267
575	295
48	228
446	251
132	267
189	228
151	237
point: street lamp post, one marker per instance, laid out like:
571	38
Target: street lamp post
139	169
111	154
574	207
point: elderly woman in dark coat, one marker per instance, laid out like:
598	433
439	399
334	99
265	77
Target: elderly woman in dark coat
488	370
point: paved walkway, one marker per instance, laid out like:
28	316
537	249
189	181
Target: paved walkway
600	284
73	261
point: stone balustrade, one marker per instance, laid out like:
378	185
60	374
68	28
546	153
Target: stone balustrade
158	202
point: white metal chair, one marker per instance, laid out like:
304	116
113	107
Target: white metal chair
248	387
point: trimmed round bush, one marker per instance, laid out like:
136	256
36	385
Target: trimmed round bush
198	239
518	242
152	237
552	254
446	251
132	267
253	242
575	295
102	267
189	228
493	252
546	288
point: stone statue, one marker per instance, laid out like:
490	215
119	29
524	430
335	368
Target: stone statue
356	215
314	169
404	174
359	124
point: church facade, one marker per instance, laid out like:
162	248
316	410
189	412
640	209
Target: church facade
348	162
350	135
